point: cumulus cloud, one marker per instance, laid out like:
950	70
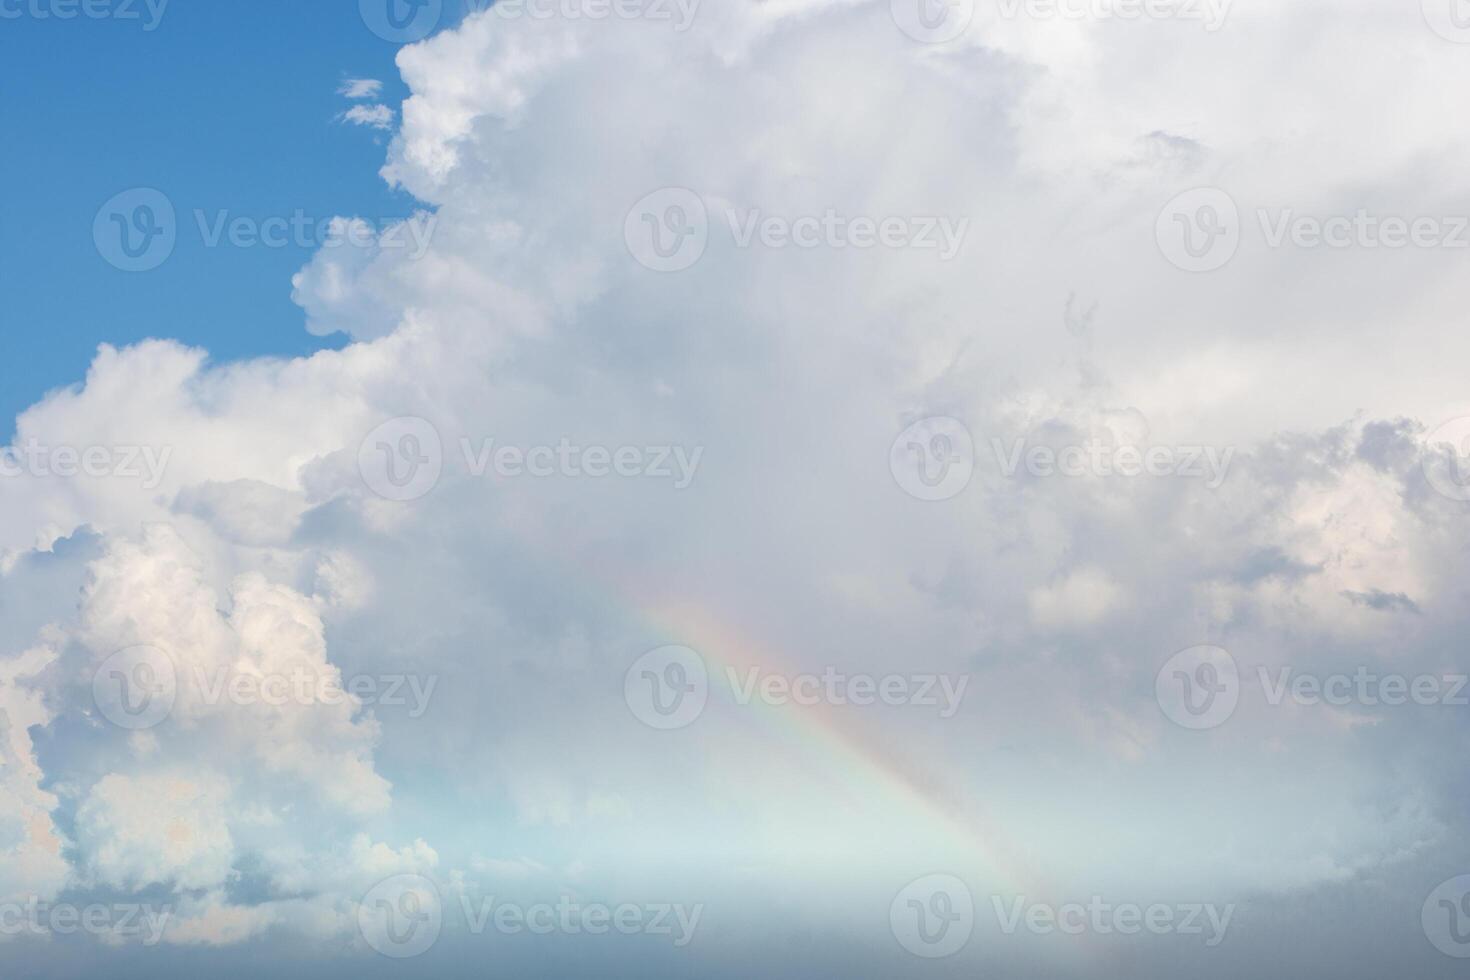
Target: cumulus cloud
31	860
158	828
271	546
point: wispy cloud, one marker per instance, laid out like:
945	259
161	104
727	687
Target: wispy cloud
361	88
376	116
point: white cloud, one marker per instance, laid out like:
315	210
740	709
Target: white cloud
527	321
168	828
31	860
375	116
1082	598
361	88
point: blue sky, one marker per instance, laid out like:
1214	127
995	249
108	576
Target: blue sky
222	107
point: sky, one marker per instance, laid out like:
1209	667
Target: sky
224	112
814	488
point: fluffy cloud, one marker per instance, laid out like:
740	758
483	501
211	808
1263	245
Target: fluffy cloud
528	321
31	861
158	828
